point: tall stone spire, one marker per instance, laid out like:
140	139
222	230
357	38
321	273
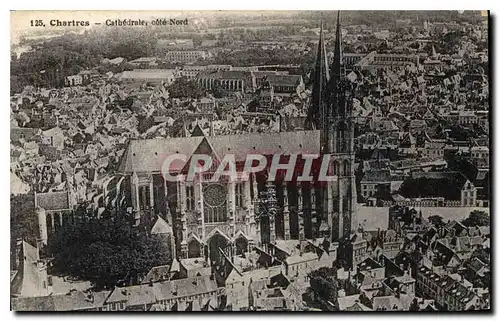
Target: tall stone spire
320	79
335	112
338	141
337	70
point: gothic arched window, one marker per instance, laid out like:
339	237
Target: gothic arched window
342	126
239	195
194	249
346	168
214	197
190	201
336	168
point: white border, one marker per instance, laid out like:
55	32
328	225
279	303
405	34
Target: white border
213	5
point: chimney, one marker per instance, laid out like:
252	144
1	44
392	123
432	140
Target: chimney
174	292
90	297
19	247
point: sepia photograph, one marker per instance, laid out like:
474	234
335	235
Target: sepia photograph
209	161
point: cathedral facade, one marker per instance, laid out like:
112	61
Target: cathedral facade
234	216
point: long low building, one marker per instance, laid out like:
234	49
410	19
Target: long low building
154	76
199	293
375	60
250	81
186	56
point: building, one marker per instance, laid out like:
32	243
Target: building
354	251
443	188
374	60
480	156
191	72
53	209
211	216
230	80
206	105
249	81
148	76
72	301
331	112
74	80
165	45
83	78
351	59
376	183
265	97
144	63
449	294
175	295
282	82
185	56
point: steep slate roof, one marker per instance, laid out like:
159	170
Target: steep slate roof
148	74
284	80
79	301
305	257
225	74
193	263
161	227
63	302
156	274
17	132
134	295
53	201
377	176
184	287
148	155
41	303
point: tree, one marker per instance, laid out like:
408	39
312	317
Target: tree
106	252
23	220
482	254
414	305
323	284
436	220
70	53
218	91
477	218
145	123
184	88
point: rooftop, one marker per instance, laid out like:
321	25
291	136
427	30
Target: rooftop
148	155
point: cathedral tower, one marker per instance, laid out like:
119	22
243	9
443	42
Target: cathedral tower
332	111
320	78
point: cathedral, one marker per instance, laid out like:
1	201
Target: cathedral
234	217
